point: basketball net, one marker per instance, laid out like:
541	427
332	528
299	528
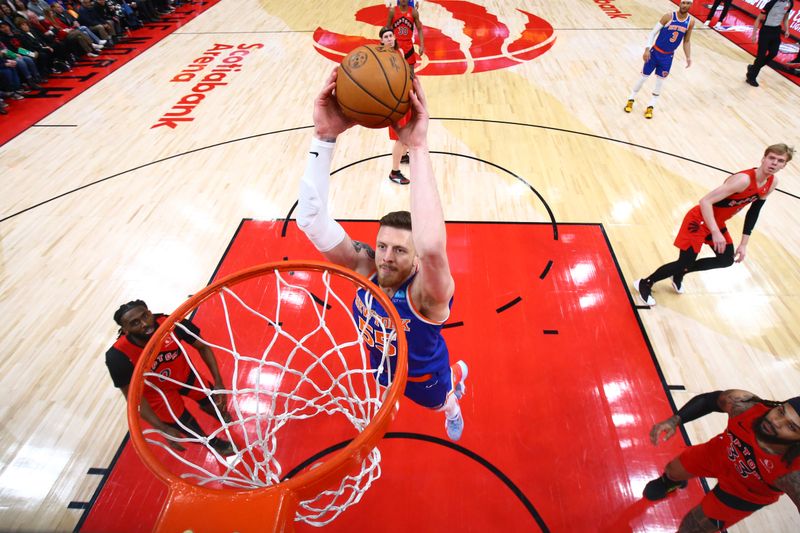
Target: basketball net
300	387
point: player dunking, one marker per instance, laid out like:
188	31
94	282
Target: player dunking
667	35
755	460
705	222
409	262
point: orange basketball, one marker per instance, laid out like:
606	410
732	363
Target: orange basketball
372	86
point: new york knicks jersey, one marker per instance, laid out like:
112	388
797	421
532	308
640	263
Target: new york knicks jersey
671	35
427	351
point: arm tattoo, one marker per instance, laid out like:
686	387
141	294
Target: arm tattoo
790	484
736	402
359	246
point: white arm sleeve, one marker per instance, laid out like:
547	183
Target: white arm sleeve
651	39
312	205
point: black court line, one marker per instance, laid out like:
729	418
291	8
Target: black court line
512	303
452	325
54	126
676	387
643	307
78	505
546	269
656	364
539	126
550	332
447	444
93	499
97	471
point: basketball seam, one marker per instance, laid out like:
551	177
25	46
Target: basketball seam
363	88
388	83
362	112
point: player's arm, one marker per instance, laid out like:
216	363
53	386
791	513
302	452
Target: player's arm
790	484
653	35
750	219
313	218
418	24
757	25
732	402
390	17
687	44
733	184
434	285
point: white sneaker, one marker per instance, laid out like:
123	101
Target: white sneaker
102	42
706	23
678	286
91	55
646	298
460	372
97	47
454	427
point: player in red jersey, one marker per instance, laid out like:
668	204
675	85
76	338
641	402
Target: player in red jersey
402	20
705	223
137	325
755	460
399	150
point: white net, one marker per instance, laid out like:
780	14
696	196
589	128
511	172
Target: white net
299	385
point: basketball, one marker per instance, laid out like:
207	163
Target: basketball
372	86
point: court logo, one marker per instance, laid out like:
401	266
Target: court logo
611	10
485	42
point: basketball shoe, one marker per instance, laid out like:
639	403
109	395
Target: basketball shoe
643	290
395	176
648	113
661	487
405	159
677	284
629	106
460	372
454	426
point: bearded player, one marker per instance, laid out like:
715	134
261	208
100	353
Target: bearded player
137	324
409	262
755	460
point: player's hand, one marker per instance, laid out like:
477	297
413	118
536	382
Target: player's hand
718	240
741	253
415	133
172	432
667	427
329	121
421	50
646	55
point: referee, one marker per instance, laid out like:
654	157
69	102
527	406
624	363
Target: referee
775	13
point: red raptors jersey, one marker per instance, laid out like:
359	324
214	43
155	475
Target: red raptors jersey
727	207
743	467
170	361
403	27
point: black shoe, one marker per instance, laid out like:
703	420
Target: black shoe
677	284
397	177
751	81
405	159
644	290
661	487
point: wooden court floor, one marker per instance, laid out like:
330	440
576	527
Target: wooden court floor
157	228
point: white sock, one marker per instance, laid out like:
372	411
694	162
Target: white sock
451	408
638	86
656	91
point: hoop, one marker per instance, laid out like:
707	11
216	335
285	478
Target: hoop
193	507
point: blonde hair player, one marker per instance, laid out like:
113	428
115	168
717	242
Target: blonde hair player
667	35
409	262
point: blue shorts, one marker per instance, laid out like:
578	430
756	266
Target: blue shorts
431	393
659	62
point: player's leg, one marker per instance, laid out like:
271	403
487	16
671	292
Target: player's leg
723	260
222	446
767	39
441	392
726	6
676	270
664	64
712	11
675	477
647	69
395	176
720	509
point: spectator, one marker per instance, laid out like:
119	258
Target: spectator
24	66
90	16
67	18
77	42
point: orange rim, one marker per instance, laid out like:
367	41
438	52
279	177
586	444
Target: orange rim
311	482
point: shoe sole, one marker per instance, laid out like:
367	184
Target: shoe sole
678	290
460	388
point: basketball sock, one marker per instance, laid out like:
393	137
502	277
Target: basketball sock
637	87
451	408
656	91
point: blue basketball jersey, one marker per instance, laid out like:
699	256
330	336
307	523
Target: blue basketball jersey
671	35
427	351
